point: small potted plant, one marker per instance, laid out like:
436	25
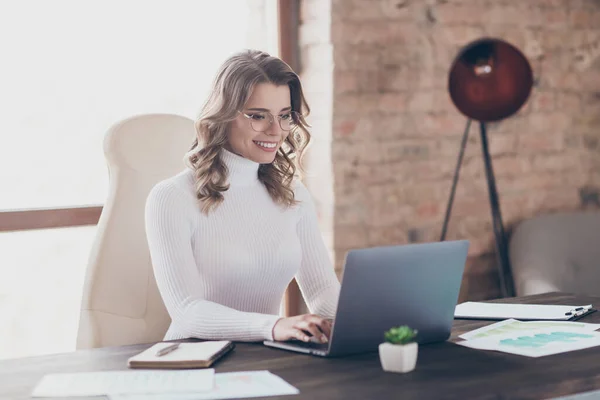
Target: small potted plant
399	351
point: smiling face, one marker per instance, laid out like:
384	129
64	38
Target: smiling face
260	147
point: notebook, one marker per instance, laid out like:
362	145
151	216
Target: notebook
187	355
523	312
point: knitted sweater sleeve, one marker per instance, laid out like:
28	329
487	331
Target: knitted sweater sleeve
316	277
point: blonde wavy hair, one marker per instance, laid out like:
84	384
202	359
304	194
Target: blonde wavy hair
231	89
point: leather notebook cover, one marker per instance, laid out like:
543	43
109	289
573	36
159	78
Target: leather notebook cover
187	355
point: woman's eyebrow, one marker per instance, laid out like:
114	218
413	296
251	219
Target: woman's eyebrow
267	110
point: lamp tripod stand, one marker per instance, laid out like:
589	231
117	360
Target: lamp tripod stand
504	272
489	80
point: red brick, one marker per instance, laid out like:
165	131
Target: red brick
350	215
503	144
368	33
388	103
450	124
399	10
344	127
553	39
388	126
405	149
544	101
397	56
451	13
351	236
461	35
561	162
421	101
356	10
429	170
345	83
386	236
564	198
590	79
388	214
429	210
471	207
396	79
372	175
583	19
354	57
431	100
549	122
554	18
539	180
348	104
418	192
591	105
514	166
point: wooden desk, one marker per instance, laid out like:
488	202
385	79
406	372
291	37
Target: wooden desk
444	370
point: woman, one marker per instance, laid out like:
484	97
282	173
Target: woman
229	233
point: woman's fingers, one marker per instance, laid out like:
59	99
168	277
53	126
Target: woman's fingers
300	335
323	324
312	329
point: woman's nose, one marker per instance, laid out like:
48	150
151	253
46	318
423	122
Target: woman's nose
274	129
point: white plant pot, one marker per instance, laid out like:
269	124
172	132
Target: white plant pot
398	357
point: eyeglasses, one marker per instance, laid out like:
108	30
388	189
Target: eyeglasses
261	121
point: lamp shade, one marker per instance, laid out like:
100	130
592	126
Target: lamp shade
489	80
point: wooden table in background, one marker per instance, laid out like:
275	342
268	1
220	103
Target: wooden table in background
444	370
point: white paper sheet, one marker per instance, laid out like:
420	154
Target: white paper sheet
230	385
513	325
537	342
111	382
471	309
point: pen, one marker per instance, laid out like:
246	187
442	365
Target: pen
167	350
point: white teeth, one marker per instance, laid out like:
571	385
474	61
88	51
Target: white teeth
267	145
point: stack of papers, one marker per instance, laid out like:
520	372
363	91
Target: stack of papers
230	385
163	385
108	382
533	338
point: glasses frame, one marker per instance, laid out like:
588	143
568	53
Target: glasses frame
272	118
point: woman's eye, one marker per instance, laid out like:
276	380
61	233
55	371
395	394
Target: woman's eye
286	116
257	117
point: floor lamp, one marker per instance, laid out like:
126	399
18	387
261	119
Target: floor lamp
489	80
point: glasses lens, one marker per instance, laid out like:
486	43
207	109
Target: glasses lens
260	121
289	121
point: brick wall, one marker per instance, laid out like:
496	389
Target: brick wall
389	134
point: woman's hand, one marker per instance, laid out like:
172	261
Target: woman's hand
302	327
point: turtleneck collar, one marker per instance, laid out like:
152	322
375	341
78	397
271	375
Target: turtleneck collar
242	171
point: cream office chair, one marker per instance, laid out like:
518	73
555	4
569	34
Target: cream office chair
121	304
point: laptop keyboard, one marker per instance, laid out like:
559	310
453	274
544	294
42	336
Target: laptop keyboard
311	345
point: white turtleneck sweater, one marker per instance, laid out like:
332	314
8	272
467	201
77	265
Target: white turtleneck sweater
223	275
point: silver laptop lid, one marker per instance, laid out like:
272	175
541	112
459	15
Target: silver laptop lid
382	287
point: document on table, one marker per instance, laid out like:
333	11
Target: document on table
516	326
229	385
113	382
537	342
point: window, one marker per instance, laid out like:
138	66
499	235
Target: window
70	70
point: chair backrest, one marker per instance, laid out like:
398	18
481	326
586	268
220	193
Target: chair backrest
557	252
121	303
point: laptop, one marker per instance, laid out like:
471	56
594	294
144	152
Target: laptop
383	287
